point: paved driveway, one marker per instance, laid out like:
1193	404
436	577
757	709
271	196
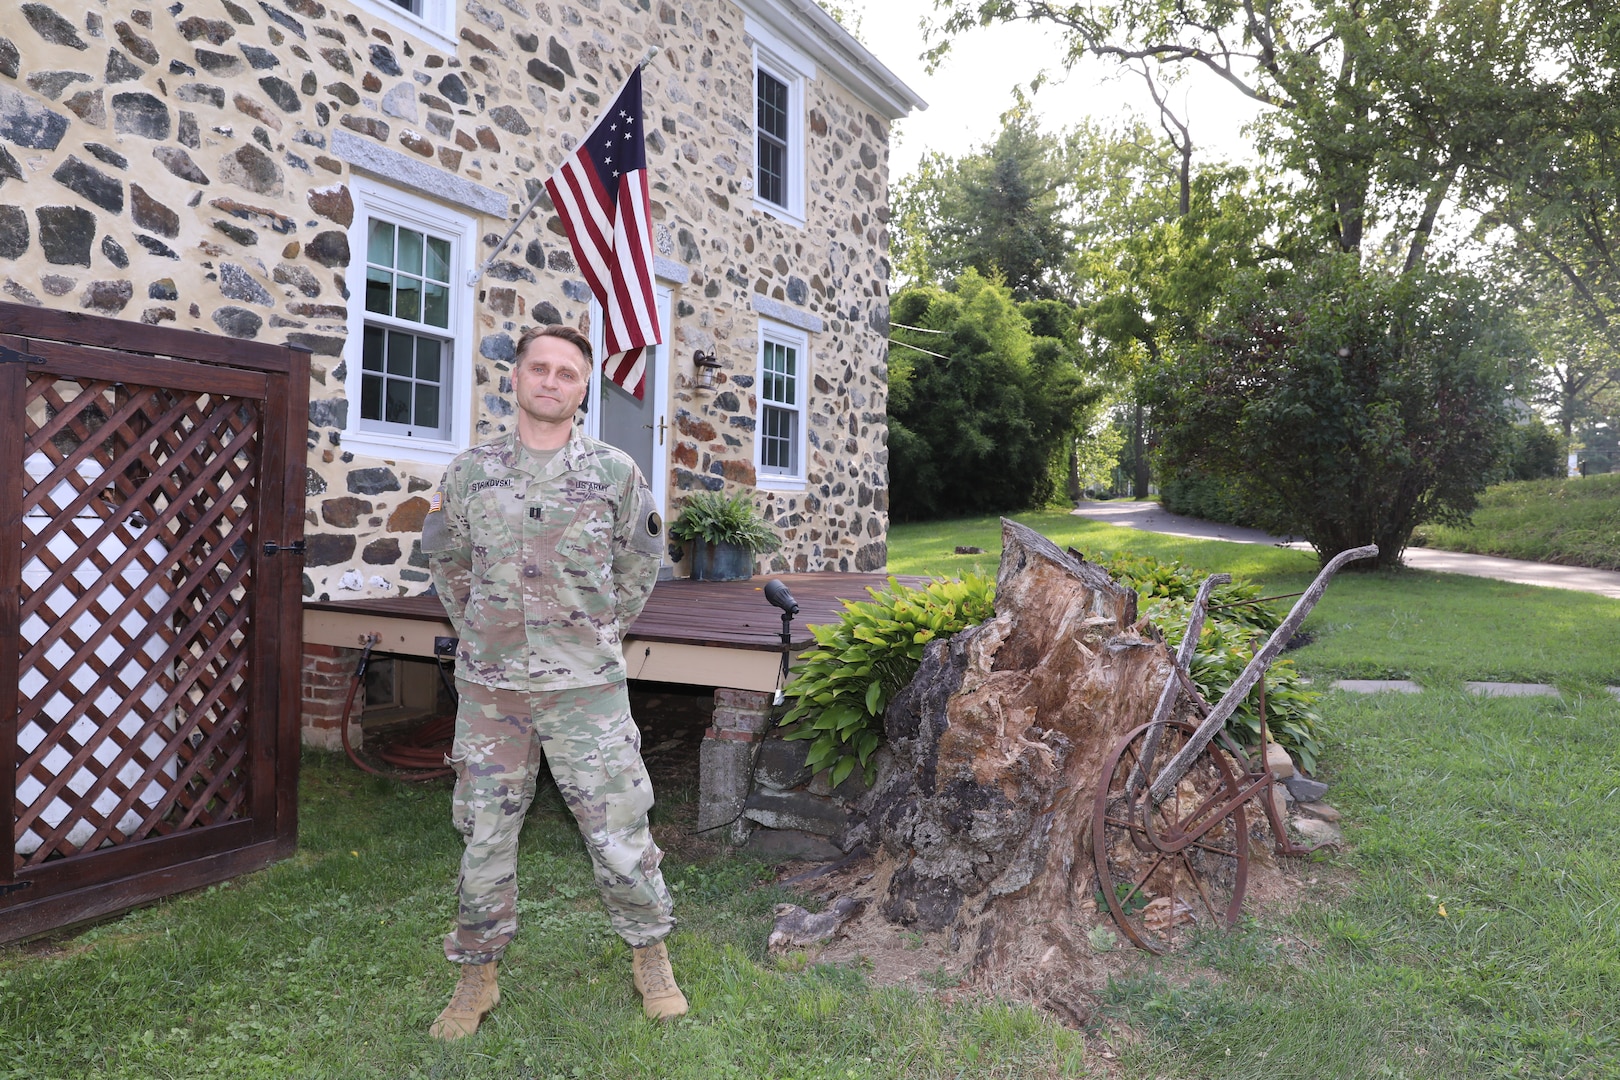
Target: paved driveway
1151	517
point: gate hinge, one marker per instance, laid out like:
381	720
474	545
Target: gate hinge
15	886
296	547
12	356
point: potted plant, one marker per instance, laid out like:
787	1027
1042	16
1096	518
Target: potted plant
725	535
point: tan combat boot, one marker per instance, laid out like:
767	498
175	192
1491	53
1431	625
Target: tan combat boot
661	999
476	994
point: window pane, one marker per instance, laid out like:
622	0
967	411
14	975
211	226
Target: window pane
380	245
436	305
398	401
400	347
407	298
772	179
427	405
438	259
371	397
427	359
410	252
773	106
778	439
371	356
379	289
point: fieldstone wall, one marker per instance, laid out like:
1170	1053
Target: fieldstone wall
185	165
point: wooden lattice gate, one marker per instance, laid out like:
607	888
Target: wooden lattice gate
150	587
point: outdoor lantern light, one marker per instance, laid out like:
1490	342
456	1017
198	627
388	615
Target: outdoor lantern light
708	369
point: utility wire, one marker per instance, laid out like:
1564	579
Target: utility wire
930	352
917	329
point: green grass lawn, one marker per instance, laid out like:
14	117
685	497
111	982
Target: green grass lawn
1575	522
1503	812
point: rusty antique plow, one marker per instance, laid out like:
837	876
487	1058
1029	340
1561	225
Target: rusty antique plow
1170	831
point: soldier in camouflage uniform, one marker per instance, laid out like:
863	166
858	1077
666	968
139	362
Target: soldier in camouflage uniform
544	547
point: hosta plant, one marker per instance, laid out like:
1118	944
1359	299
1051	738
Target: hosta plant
842	686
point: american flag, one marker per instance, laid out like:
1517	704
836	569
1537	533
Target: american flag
600	194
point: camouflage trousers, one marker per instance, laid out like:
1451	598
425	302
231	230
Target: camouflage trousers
593	749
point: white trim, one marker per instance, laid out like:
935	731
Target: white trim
402	207
782	67
436	25
818	36
799	341
778	47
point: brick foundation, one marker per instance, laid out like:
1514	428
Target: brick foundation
726	760
327	673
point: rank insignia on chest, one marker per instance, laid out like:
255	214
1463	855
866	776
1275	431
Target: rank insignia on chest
536	513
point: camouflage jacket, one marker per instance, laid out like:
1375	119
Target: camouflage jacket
542	567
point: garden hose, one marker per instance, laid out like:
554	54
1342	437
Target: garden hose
417	755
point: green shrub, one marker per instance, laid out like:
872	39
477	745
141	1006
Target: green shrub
1535	451
1235	627
861	662
1205	496
1224	649
868	656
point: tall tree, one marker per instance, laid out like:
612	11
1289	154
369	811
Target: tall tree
1379	105
1003	210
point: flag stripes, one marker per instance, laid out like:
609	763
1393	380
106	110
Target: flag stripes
600	194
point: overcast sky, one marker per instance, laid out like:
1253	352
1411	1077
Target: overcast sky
974	86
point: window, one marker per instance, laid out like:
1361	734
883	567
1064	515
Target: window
409	327
407	338
771	172
434	21
780	73
783	383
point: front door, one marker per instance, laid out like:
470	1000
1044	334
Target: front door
639	428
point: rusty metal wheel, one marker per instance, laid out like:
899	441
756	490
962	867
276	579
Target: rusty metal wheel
1163	881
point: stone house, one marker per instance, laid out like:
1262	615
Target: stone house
336	175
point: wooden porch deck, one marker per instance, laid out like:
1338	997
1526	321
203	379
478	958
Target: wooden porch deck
700	633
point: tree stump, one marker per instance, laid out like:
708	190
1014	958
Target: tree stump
980	824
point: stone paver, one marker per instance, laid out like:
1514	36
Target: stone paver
1378	686
1511	689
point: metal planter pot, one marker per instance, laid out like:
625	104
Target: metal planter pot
721	562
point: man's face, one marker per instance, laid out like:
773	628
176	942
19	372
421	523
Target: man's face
549	380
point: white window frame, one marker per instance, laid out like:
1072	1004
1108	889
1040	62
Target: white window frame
775	333
373	199
793	69
436	25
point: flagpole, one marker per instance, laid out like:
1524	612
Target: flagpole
478	272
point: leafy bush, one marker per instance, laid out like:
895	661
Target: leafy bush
861	662
980	400
1349	404
1235	627
1202	495
1535	451
710	516
866	658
